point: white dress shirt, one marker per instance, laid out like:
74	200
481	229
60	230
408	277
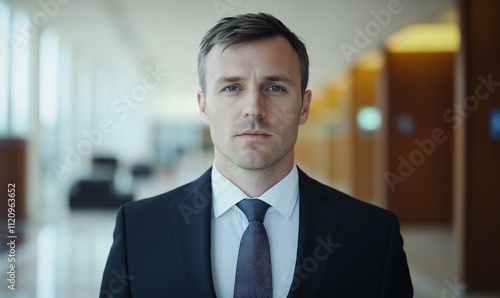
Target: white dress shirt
229	223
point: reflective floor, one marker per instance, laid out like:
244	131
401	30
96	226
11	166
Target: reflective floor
63	253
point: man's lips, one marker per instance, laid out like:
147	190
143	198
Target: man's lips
254	134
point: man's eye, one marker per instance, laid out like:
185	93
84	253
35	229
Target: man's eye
231	89
275	88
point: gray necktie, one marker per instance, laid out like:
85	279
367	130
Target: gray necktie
253	270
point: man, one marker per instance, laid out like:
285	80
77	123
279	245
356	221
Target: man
255	225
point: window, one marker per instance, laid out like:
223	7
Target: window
4	67
20	73
49	75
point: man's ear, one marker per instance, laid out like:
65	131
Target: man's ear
306	103
202	105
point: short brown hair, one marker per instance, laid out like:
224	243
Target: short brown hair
247	27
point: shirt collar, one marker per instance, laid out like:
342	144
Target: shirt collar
282	196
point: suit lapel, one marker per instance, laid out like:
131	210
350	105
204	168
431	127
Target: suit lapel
317	226
192	228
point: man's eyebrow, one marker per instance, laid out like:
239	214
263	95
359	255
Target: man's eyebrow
224	80
278	78
272	78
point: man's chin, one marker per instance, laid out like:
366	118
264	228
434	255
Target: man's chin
254	162
253	165
251	159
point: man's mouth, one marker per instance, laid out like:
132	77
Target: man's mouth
254	134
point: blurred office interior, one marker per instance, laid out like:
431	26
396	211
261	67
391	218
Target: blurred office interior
98	107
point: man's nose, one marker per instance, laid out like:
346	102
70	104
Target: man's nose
254	105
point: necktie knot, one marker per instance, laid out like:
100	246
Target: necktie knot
254	209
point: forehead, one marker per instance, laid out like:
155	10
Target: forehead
262	57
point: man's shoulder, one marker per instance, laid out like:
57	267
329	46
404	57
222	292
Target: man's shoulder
174	197
342	201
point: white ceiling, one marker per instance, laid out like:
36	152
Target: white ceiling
167	32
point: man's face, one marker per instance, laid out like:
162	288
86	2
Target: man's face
253	102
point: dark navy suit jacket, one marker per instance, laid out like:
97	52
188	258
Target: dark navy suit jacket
347	248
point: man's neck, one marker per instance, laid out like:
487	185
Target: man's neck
254	183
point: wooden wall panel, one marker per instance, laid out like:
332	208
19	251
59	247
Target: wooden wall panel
13	170
365	85
419	180
480	63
